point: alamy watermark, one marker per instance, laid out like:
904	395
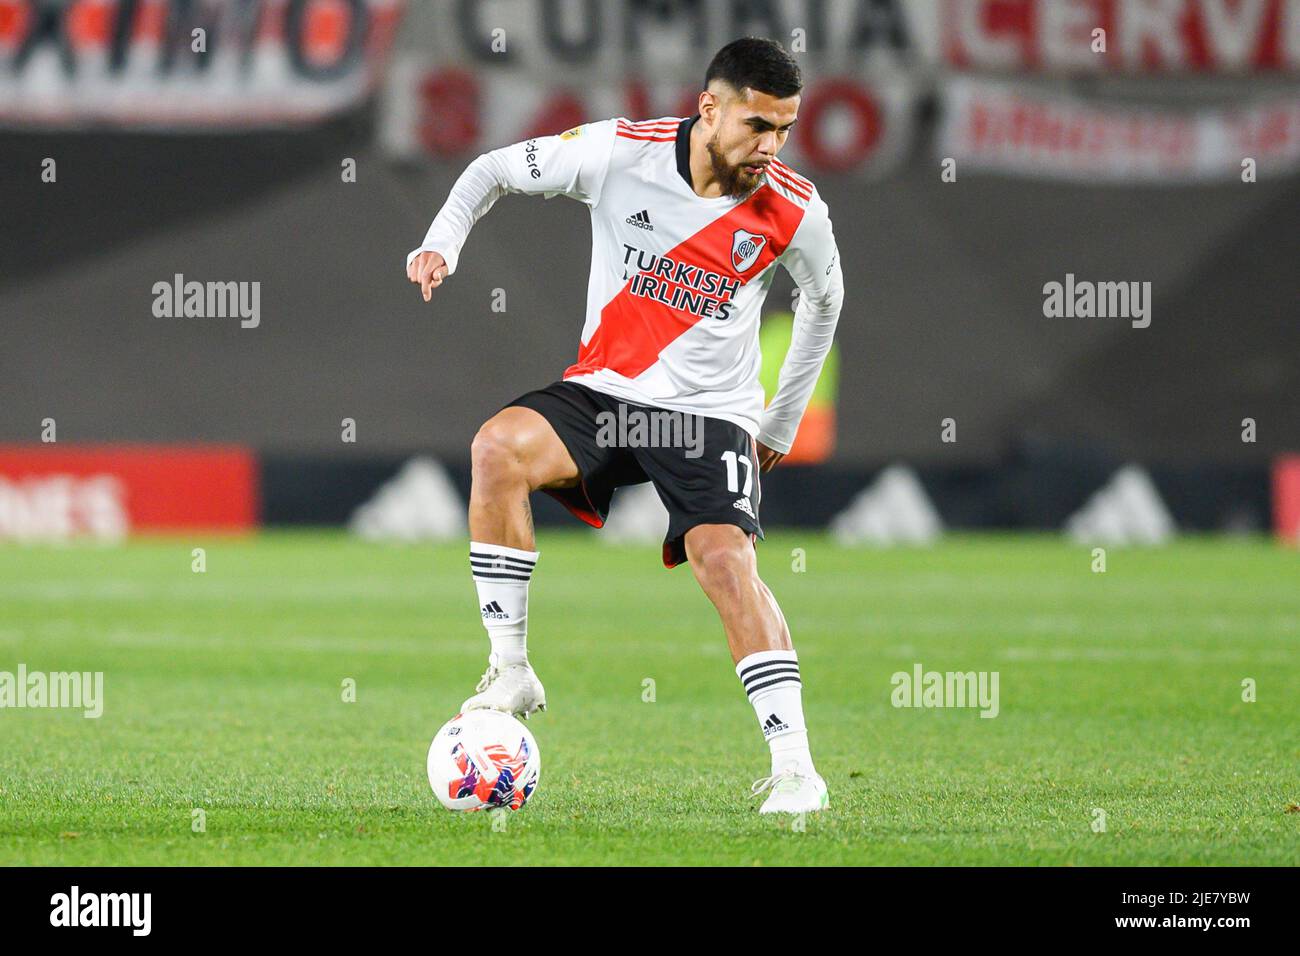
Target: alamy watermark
1084	299
650	428
75	908
922	688
77	690
179	299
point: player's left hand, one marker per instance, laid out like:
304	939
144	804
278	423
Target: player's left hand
767	458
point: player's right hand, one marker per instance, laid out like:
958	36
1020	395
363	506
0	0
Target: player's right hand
427	270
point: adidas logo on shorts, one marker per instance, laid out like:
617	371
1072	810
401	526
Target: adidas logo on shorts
742	504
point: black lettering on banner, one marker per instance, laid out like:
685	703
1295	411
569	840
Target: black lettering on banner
877	17
663	11
567	49
477	43
745	13
47	28
182	19
123	22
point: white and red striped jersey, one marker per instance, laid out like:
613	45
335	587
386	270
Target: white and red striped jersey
677	280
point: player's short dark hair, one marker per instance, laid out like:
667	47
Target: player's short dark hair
758	63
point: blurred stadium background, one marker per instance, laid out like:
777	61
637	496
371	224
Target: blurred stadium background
1164	150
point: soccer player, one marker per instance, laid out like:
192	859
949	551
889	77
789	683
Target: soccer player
690	217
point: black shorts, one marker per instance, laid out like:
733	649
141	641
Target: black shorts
704	469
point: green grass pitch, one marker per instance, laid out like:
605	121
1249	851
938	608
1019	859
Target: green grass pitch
1119	691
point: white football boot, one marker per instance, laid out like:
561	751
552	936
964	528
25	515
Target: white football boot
513	689
792	792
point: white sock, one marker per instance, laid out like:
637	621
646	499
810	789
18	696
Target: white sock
771	679
501	575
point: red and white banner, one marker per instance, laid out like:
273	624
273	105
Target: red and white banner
53	492
1134	36
468	77
845	123
189	63
1001	127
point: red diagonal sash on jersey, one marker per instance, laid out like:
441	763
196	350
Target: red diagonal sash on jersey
633	329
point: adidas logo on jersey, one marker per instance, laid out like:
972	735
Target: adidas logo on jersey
492	611
774	725
641	220
742	504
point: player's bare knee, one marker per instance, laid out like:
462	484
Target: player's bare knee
495	455
724	567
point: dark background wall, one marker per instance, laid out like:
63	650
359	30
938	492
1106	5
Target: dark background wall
943	314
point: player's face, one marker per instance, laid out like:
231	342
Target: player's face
752	128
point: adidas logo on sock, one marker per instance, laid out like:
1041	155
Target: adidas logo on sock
774	725
641	220
492	611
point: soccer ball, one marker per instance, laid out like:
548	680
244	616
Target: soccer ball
483	759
